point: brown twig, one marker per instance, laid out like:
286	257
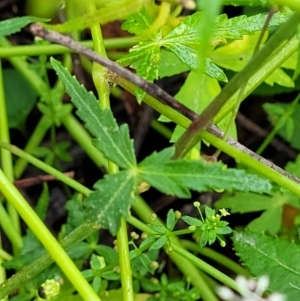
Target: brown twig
39	179
152	89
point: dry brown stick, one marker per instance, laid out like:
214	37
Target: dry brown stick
151	89
39	179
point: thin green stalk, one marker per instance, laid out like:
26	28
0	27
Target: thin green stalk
37	266
282	120
45	167
46	238
7	165
84	139
9	229
34	50
161	128
190	137
100	79
205	267
35	139
215	256
4	255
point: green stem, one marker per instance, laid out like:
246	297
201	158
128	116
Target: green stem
37	266
45	167
47	239
191	137
205	267
100	79
35	139
9	229
215	256
34	50
84	139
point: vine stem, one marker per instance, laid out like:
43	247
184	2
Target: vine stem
47	239
99	75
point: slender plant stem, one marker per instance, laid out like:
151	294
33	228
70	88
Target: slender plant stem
191	137
99	75
37	266
215	256
205	267
34	50
46	238
45	167
7	165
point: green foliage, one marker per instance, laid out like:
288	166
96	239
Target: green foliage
111	200
20	101
288	127
113	141
273	257
13	25
177	177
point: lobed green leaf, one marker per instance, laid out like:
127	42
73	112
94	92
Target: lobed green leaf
236	28
176	177
279	259
111	200
112	140
14	25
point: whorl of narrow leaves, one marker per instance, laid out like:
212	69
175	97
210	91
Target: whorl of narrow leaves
112	140
14	25
177	177
111	200
278	259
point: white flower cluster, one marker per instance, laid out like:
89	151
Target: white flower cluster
250	290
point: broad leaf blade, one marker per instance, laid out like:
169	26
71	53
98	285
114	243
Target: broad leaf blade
276	258
112	140
13	25
178	176
235	28
111	200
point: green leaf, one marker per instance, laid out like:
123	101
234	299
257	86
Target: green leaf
20	101
236	28
294	167
114	10
192	221
14	25
139	22
111	200
171	220
43	203
159	243
244	202
288	132
112	140
176	177
278	259
269	221
184	40
170	64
